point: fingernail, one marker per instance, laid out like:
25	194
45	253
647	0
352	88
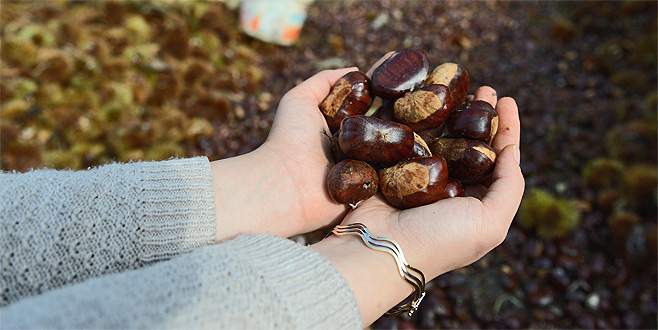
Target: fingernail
517	154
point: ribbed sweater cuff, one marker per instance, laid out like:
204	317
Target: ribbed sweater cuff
177	211
310	287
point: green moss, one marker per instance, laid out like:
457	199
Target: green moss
603	173
621	223
634	141
548	215
640	186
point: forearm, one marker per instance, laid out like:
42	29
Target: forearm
372	275
253	194
252	282
61	227
256	193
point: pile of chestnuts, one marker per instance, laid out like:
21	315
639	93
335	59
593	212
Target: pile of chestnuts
421	145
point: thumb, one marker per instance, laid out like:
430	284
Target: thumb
504	195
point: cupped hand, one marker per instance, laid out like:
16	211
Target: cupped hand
455	232
435	238
280	187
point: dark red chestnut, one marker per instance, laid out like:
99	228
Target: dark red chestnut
350	96
478	120
453	189
424	108
376	141
421	149
398	72
429	135
452	75
468	160
352	181
415	182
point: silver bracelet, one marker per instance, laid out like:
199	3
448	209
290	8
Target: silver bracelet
413	276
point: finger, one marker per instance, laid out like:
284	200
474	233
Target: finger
316	88
509	128
504	196
487	94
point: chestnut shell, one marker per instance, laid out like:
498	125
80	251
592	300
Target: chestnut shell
470	161
452	75
414	182
398	72
478	120
376	141
349	96
351	181
453	189
425	108
421	149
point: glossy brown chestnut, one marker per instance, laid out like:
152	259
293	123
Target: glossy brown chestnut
414	182
398	72
352	181
376	141
468	160
350	96
478	120
421	149
424	108
452	75
453	189
429	135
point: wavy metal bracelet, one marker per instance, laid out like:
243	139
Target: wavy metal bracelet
412	275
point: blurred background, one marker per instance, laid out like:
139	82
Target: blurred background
87	83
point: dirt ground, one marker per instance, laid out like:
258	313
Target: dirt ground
180	79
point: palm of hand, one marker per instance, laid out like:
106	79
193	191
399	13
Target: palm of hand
299	142
448	225
457	230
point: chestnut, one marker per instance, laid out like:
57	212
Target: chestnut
429	135
478	120
398	72
376	141
414	182
470	161
453	189
349	96
424	108
420	147
453	76
352	181
336	153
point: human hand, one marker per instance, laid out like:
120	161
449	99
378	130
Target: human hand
435	238
280	187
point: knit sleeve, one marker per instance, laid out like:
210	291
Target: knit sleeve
251	282
61	227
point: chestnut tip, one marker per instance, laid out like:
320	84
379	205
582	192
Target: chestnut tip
349	96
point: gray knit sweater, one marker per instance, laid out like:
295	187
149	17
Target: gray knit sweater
129	246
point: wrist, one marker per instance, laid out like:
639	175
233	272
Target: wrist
372	275
251	196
